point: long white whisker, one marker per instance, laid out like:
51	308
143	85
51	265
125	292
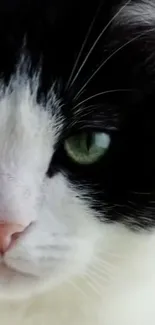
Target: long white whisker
93	288
105	264
97	40
95	274
80	93
78	289
116	256
99	94
109	57
103	270
91	278
82	47
85	113
93	284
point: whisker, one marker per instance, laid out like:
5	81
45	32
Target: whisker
82	114
99	94
93	288
97	40
140	193
111	254
99	276
78	288
83	46
109	57
80	93
92	285
103	270
105	264
93	280
85	113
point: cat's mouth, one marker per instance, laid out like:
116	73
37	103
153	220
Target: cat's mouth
7	271
15	283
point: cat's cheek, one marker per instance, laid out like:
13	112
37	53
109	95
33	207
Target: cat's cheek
62	242
64	239
55	258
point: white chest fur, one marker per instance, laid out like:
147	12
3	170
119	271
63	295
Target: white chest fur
73	309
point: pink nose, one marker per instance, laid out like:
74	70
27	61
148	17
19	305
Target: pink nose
9	232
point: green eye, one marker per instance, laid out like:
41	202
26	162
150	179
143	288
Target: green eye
87	148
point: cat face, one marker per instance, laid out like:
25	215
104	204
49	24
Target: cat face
76	134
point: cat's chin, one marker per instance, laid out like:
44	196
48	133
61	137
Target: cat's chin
17	285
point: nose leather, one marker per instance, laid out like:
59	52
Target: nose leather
9	232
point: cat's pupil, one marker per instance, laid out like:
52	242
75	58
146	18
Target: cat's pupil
89	141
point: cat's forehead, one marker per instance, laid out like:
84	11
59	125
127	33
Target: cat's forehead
60	11
86	47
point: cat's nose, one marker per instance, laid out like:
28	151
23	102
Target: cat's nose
9	232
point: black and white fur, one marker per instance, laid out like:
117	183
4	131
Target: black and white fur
88	257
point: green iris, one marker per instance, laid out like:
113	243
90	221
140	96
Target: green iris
87	148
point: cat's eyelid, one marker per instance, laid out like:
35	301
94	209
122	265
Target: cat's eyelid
91	129
77	131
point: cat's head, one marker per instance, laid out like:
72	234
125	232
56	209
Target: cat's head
77	135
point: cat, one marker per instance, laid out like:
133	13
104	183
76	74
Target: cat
77	162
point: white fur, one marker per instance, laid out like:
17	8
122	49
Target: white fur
118	289
140	13
68	268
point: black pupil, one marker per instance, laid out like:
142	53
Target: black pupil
89	139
